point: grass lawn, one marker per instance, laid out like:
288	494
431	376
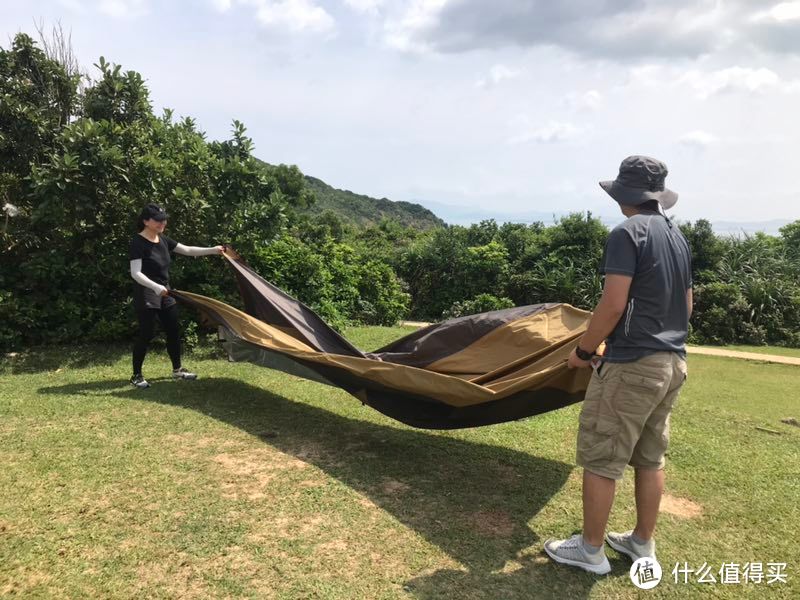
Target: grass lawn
253	484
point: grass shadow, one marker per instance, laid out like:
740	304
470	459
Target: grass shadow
472	500
40	359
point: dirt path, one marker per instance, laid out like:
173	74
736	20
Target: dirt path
770	358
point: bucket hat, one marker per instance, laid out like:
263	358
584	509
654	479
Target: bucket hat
641	179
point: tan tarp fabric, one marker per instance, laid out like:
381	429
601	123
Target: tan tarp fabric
466	372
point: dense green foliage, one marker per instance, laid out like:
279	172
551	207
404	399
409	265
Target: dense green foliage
746	290
527	264
79	162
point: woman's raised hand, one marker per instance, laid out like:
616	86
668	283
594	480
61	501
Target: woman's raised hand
230	252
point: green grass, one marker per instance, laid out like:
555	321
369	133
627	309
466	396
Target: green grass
253	484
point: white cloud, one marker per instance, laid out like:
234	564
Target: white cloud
733	79
706	84
780	13
124	9
591	100
697	139
497	74
74	5
421	16
222	5
370	7
294	15
297	15
550	133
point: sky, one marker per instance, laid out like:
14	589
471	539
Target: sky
504	107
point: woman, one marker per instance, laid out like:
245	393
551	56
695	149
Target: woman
150	259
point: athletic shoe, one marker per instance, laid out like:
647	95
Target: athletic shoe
622	542
571	552
140	382
183	373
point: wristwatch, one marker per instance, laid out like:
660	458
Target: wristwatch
583	354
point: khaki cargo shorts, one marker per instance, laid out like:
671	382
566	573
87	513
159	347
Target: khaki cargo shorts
625	415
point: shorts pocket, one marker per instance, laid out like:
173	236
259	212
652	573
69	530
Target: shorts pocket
642	381
597	438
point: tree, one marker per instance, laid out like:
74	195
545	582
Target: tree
707	249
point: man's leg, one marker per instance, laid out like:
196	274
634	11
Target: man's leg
648	455
586	551
648	462
598	497
649	489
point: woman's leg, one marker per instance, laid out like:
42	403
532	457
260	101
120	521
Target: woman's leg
147	322
169	321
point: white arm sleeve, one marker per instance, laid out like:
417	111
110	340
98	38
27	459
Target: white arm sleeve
194	250
141	278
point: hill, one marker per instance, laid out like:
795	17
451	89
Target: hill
364	210
361	210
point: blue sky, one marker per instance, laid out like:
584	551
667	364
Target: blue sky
505	106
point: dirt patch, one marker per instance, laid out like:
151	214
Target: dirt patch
392	486
309	526
251	462
369	505
248	473
233	560
505	474
188	445
680	507
495	523
311	483
287	528
22	581
182	578
334	547
316	454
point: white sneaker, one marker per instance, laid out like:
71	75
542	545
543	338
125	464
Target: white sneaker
183	373
622	542
139	382
571	552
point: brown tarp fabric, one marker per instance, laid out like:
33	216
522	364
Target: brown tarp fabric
466	372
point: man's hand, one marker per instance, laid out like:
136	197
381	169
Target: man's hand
576	363
165	293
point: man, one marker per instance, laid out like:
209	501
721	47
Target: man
643	315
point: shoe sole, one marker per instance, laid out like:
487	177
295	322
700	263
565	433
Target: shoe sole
141	387
622	549
182	377
602	569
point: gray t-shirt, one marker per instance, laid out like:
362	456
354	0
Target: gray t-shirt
652	250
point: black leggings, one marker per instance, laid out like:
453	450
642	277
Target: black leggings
147	324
